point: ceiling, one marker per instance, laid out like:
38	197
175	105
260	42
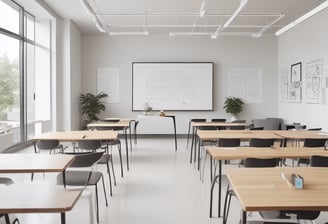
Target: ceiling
182	17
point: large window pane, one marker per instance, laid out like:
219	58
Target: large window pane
9	16
9	86
29	26
30	89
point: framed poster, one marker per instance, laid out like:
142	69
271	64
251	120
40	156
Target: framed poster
313	81
296	72
295	90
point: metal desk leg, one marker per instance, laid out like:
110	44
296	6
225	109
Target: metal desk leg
175	133
220	191
243	217
127	148
62	217
130	135
192	143
200	142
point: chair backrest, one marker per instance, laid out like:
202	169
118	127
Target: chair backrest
314	129
85	159
257	128
319	161
258	142
256	162
89	144
198	120
47	144
225	142
314	142
242	127
218	120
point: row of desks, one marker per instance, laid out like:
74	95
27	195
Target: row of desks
220	153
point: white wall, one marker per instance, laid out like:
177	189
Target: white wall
226	53
68	75
305	43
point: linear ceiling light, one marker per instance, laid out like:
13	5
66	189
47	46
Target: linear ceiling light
87	8
175	34
99	25
260	33
241	6
202	10
302	18
128	33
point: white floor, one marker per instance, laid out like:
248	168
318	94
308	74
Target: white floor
161	187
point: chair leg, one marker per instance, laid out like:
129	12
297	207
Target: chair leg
211	195
7	218
111	161
110	181
120	155
103	182
188	136
97	205
226	207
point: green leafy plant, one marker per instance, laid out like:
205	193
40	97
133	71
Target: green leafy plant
233	105
91	105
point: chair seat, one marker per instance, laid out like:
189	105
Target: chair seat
104	159
78	178
6	181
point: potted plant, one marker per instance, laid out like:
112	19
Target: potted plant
234	106
91	105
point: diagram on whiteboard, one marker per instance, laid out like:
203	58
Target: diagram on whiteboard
173	86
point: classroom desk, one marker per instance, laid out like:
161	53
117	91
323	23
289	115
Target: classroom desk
115	126
225	153
32	163
149	119
197	125
37	198
264	189
72	136
302	134
205	135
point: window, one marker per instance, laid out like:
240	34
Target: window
25	63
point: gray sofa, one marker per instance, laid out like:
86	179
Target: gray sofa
269	123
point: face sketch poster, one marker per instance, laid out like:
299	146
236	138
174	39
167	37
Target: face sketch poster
313	81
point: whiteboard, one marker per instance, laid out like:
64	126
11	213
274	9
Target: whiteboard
172	85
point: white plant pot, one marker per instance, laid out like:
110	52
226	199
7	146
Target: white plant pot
233	117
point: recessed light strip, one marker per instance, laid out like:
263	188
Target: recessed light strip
302	18
235	14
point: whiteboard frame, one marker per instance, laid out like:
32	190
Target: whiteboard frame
210	107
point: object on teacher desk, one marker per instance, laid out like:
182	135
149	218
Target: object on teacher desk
161	113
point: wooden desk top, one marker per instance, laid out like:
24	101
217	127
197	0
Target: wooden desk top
302	134
225	153
37	198
77	135
27	163
239	134
264	189
217	124
121	124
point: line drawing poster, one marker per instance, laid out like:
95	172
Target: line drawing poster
313	81
284	80
295	87
246	84
108	81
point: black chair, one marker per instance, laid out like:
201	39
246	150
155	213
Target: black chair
311	143
319	161
314	129
257	128
106	158
258	142
219	120
113	142
250	163
242	127
84	178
